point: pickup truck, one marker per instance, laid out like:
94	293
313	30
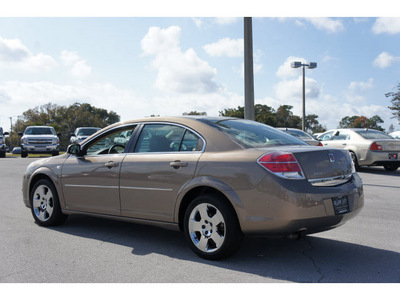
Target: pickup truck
40	140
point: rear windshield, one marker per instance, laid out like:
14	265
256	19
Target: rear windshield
40	130
374	135
252	134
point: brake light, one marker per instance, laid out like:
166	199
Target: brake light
376	147
319	144
282	164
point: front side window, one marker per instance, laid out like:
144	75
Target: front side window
111	143
167	138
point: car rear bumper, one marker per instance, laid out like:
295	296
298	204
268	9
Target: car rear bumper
307	208
376	158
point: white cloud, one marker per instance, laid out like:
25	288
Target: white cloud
226	47
177	71
326	24
227	21
78	66
386	25
356	90
385	60
286	71
15	55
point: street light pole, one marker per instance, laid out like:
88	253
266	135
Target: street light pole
311	65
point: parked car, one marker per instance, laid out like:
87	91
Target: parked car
216	179
3	147
368	147
40	140
300	134
82	133
395	134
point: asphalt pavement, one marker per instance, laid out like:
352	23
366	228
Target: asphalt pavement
95	250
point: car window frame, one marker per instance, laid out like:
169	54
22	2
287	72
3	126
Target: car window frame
98	137
134	143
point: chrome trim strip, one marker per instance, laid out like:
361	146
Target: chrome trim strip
330	181
92	186
145	188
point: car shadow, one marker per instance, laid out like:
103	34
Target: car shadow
309	259
378	171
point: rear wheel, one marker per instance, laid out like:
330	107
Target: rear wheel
211	228
391	168
355	161
45	205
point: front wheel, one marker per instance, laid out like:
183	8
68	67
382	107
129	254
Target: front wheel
355	161
212	228
45	205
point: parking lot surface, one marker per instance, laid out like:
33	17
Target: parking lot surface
88	249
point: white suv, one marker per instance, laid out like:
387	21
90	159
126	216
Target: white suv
41	140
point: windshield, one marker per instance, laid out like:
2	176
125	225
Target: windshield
40	131
87	131
374	135
299	134
252	134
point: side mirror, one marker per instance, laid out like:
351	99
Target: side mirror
59	134
75	149
72	134
20	133
6	133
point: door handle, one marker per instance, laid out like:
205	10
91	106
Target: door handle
344	144
110	164
178	164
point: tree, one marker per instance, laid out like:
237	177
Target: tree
348	122
361	122
396	102
195	113
66	119
283	117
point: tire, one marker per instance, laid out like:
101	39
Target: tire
2	154
45	205
211	228
355	161
55	153
391	168
24	154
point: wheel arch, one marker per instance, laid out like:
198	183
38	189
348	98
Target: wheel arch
230	197
47	174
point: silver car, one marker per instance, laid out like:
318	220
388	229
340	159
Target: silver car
368	147
216	179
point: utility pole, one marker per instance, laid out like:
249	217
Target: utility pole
11	132
248	70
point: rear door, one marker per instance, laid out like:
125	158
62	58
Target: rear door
163	161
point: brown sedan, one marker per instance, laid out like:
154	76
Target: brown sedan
216	179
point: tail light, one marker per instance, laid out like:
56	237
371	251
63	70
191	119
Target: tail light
319	144
376	147
282	164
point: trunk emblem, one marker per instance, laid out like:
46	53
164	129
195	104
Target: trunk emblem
331	157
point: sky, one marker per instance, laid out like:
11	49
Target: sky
169	64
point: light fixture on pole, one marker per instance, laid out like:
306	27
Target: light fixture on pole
311	65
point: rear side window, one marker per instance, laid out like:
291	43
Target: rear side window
252	134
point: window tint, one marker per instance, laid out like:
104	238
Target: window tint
111	143
252	134
40	130
167	138
372	134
